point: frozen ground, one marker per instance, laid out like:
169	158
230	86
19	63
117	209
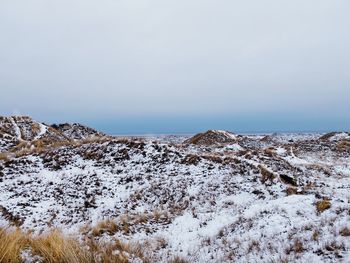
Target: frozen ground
276	198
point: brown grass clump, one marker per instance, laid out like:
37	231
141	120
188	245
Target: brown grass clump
343	146
54	247
291	191
4	157
191	159
345	232
106	226
20	146
315	235
115	252
35	127
11	245
297	246
177	259
323	205
125	224
96	139
108	252
270	151
266	175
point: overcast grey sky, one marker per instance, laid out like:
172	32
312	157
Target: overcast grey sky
136	60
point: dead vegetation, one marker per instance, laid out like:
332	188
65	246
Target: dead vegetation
323	205
4	157
342	146
270	151
345	232
266	175
212	137
327	136
178	259
54	247
127	224
191	159
108	226
11	245
297	247
291	191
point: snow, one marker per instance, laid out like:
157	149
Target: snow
218	210
234	147
43	130
16	128
340	136
227	134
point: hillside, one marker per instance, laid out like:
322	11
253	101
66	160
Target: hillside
216	197
24	132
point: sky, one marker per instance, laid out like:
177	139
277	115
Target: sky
177	66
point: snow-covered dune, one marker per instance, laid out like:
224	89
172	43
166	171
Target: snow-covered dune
245	200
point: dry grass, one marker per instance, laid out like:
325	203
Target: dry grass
177	259
323	205
11	245
20	146
4	157
326	136
266	175
42	145
108	226
291	191
54	247
270	151
35	127
345	232
315	235
343	146
296	247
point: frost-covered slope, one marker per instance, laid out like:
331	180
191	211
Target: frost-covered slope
285	199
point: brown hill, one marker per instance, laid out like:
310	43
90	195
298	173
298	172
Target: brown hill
212	137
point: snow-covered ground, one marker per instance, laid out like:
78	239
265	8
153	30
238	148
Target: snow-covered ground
252	200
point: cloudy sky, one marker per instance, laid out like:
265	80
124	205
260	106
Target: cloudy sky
143	66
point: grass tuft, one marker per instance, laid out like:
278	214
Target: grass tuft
323	205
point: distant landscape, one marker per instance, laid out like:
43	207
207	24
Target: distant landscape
174	131
72	194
